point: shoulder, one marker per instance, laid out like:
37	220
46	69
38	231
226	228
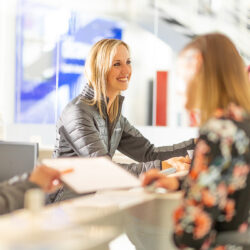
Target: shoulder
218	128
231	123
228	134
225	128
78	107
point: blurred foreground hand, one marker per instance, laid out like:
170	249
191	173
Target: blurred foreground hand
180	163
161	180
46	178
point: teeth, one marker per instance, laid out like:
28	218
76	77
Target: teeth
123	79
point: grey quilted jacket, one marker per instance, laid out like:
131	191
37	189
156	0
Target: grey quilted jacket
81	131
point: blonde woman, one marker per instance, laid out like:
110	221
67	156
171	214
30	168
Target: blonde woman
217	188
92	125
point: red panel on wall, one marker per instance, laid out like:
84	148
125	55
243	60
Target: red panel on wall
161	98
194	119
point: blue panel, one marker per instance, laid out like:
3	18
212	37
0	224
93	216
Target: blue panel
75	61
96	29
36	98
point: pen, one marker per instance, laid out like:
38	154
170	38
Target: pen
67	171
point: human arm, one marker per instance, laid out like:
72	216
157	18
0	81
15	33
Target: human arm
46	178
180	163
84	133
134	145
12	192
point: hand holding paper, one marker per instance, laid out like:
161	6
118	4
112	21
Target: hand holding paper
85	175
46	178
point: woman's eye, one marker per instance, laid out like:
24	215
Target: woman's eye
128	62
117	64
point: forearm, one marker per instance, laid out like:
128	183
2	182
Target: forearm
12	195
139	168
141	150
175	150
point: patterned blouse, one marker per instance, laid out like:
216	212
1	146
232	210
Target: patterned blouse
217	188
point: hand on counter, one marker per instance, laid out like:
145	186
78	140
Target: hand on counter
180	163
47	178
159	179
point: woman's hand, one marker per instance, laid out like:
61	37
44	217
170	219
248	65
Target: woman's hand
47	178
180	163
161	180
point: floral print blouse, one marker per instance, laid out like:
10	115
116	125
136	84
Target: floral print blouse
217	188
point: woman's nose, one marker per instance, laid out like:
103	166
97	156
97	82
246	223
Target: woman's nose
126	69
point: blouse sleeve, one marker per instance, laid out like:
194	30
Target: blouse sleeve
218	169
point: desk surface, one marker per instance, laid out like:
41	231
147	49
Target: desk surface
94	220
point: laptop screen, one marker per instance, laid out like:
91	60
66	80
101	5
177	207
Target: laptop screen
17	158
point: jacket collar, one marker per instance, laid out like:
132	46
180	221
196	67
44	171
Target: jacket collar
88	93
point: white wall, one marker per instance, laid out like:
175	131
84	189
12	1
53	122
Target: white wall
162	136
7	58
148	53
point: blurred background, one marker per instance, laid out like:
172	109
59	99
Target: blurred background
44	44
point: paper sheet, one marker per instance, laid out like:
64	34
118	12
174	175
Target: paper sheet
92	174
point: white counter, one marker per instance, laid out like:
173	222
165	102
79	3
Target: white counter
91	222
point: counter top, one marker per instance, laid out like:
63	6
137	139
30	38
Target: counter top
86	222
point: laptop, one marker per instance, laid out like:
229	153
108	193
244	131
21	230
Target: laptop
17	158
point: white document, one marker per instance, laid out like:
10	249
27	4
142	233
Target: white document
92	174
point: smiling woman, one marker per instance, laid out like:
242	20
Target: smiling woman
108	70
120	72
92	125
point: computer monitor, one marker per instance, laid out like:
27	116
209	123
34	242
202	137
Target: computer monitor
17	158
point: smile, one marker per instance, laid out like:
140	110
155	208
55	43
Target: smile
124	79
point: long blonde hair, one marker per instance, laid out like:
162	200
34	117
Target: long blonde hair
221	79
97	67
